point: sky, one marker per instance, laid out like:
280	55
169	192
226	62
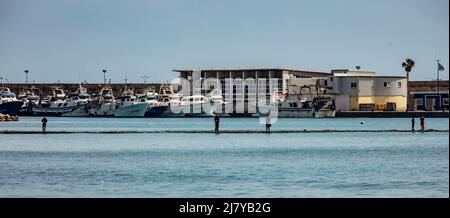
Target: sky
72	41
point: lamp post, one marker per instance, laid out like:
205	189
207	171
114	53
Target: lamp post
26	75
104	77
145	77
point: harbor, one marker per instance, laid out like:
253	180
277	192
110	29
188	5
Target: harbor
237	93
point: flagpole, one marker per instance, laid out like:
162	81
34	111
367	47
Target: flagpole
439	96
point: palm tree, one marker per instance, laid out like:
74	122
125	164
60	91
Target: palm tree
408	64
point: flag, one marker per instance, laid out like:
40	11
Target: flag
440	67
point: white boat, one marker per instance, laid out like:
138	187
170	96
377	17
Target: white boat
129	106
104	104
80	99
30	98
126	105
288	109
58	105
199	105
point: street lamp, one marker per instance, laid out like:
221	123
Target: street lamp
26	73
145	77
104	77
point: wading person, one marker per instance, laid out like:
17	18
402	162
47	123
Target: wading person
216	122
44	124
413	123
422	123
268	125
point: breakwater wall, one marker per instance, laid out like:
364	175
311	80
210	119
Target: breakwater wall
93	88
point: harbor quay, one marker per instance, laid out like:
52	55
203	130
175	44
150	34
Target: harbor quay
286	92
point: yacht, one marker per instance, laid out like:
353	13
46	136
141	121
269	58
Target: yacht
8	102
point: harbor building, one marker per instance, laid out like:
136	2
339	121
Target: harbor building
364	91
428	95
286	80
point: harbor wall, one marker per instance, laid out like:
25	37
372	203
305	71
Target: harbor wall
93	88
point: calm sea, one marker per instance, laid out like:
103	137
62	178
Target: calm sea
389	164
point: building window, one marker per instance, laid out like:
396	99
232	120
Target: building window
399	84
419	101
387	84
445	101
353	85
331	79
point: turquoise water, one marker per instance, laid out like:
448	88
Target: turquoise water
225	165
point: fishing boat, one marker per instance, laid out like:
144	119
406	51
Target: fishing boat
80	100
8	102
128	105
288	109
59	105
324	106
103	105
30	98
155	107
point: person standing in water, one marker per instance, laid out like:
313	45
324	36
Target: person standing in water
413	124
216	122
44	124
422	123
268	125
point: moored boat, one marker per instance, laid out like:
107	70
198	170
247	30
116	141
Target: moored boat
8	102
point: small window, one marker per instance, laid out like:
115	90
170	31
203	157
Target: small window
399	84
354	85
387	84
419	101
331	79
294	104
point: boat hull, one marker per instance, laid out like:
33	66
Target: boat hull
136	110
325	113
157	111
12	108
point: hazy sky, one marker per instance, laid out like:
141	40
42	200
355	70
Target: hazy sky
74	40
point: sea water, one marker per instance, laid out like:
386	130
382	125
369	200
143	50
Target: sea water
368	164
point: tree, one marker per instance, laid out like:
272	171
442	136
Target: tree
408	65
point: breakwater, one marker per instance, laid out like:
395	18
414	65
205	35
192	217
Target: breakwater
221	132
93	88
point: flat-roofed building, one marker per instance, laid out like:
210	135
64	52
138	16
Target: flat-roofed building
284	79
364	91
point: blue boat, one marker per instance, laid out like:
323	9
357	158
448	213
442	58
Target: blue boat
8	102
